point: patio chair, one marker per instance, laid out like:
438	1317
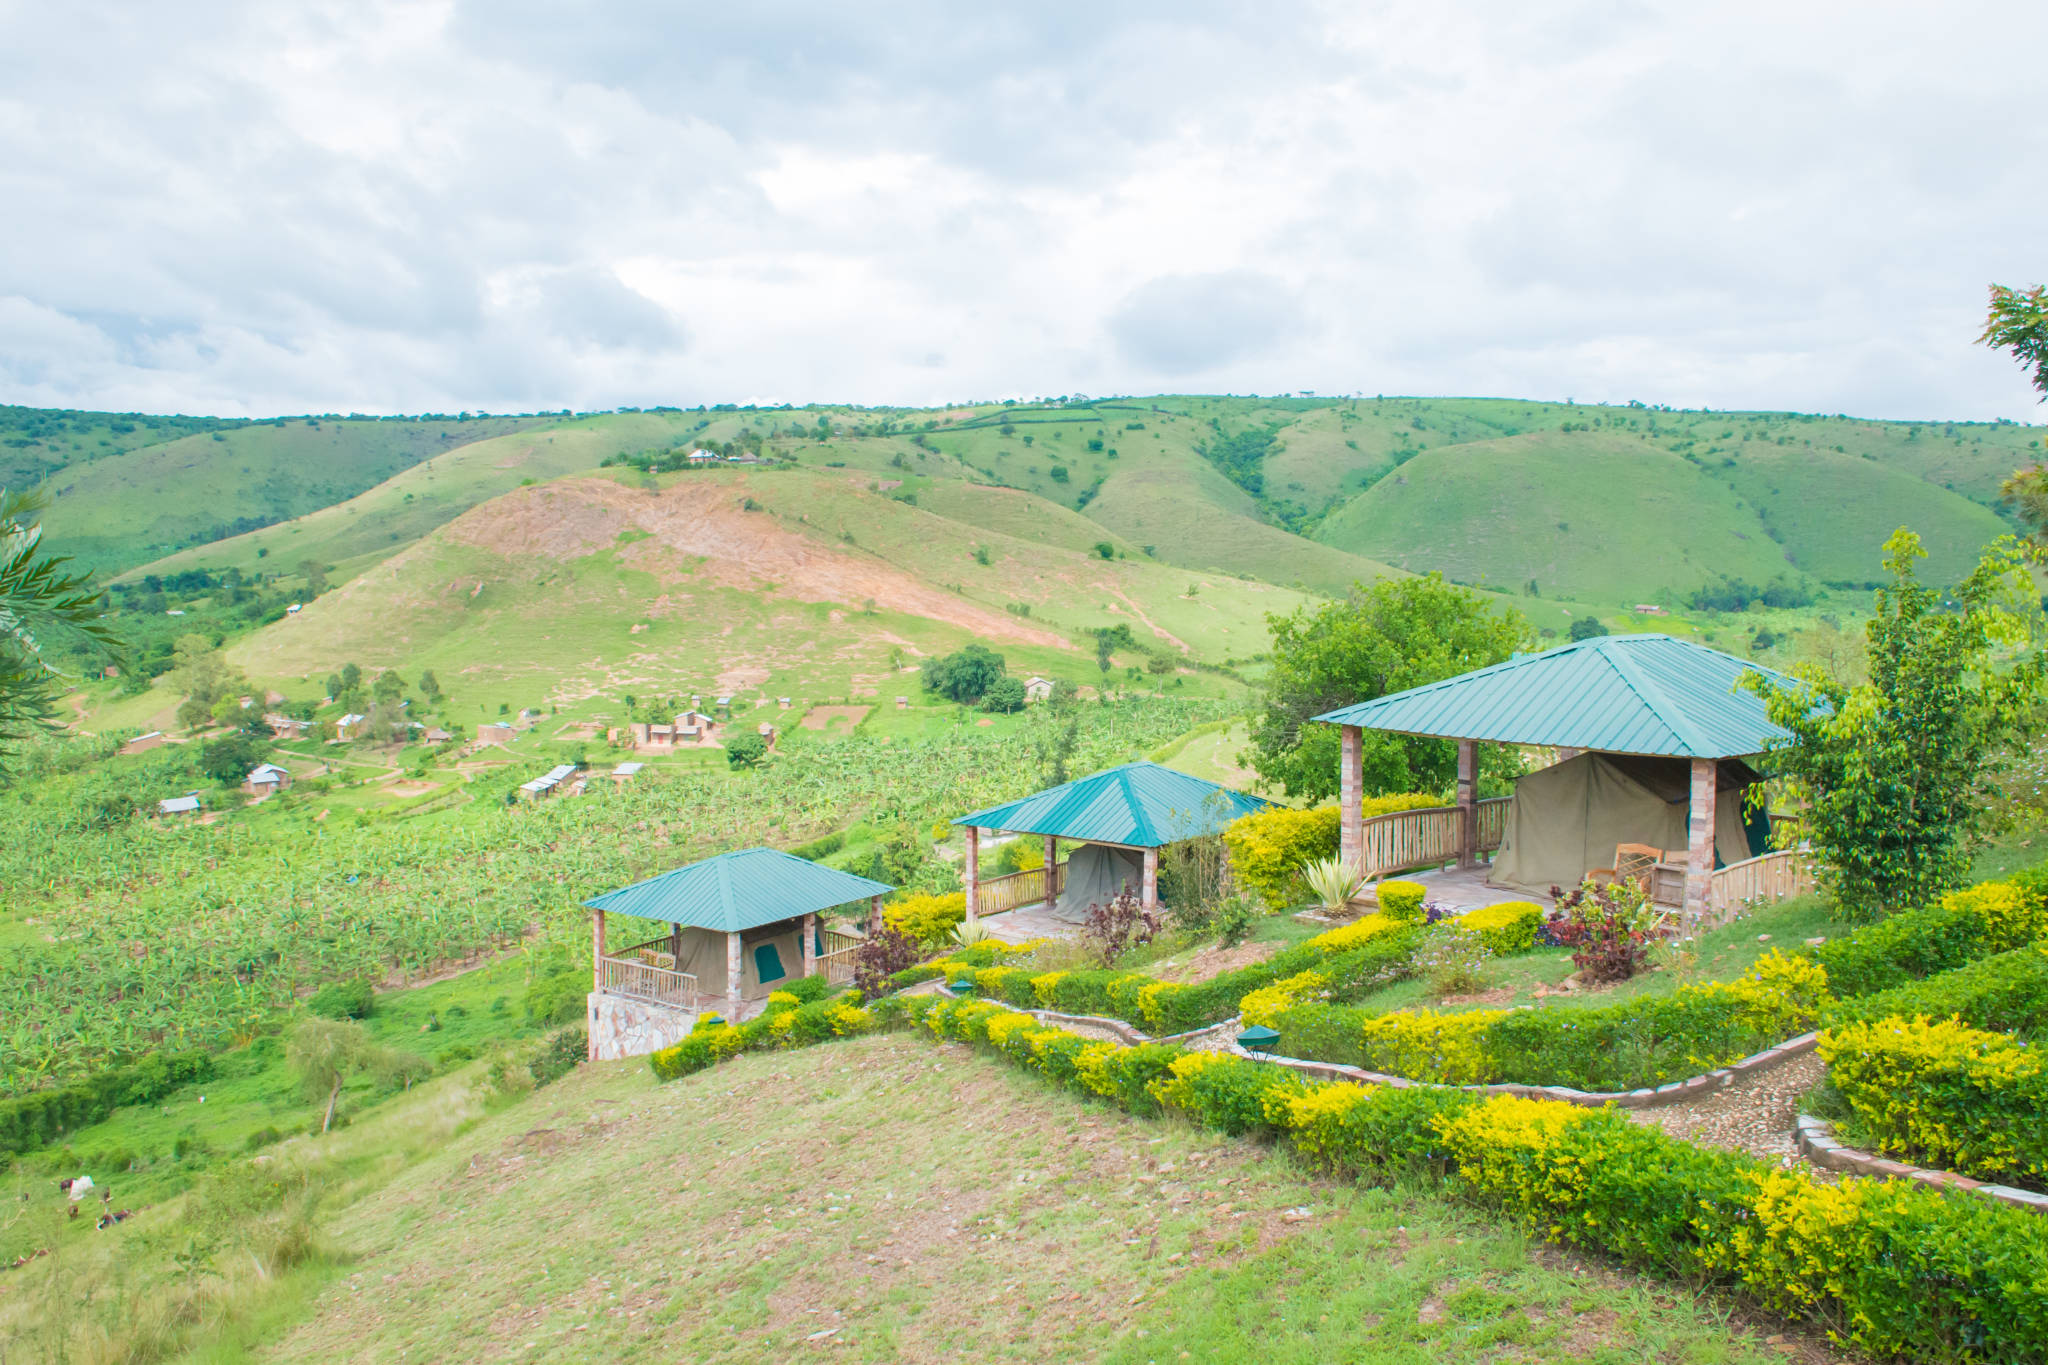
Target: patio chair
1633	863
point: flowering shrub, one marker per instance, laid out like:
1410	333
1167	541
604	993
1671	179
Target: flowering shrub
1120	924
1614	930
1451	960
1943	1094
880	958
2007	994
781	1024
1269	848
1264	1006
1354	934
1448	1049
927	919
1963	927
1505	929
1401	901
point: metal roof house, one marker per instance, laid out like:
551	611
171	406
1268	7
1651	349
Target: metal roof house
739	925
266	778
187	804
1123	815
547	783
1652	721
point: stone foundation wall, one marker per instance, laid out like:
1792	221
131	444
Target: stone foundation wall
621	1027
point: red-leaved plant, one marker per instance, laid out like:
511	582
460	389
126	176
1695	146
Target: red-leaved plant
1120	925
1607	928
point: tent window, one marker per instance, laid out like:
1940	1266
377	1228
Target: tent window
768	963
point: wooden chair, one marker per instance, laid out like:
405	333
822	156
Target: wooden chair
1632	863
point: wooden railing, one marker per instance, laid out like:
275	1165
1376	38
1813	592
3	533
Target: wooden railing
1000	894
1493	822
1409	839
639	979
837	963
1753	881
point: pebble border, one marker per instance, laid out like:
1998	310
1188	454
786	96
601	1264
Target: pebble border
1816	1142
1672	1092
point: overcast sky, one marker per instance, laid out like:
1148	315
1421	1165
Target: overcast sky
509	205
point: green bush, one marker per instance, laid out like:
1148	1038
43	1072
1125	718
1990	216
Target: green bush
42	1116
1989	918
818	848
808	989
343	1000
1401	900
560	1055
1505	929
2005	994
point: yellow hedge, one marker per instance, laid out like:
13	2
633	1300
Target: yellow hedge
928	919
1269	848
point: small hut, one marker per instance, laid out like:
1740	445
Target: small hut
739	926
1121	818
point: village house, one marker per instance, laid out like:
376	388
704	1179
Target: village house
266	779
1037	689
691	729
625	773
548	783
186	805
143	743
497	732
285	727
437	735
350	727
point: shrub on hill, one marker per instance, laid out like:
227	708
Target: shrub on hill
343	1000
965	676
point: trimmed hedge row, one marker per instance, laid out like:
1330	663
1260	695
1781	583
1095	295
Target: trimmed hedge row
1891	1267
42	1116
1942	1094
2006	994
1645	1040
1961	928
785	1022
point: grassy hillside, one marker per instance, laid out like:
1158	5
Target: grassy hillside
393	514
128	508
1607	519
786	581
37	442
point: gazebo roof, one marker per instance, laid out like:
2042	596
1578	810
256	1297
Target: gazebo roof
1625	694
1139	805
739	890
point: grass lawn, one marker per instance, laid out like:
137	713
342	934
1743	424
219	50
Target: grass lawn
893	1199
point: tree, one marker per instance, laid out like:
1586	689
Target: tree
745	751
430	688
1385	637
316	576
964	676
389	688
1004	695
227	761
326	1052
1105	550
204	677
39	602
1586	627
1896	773
2018	322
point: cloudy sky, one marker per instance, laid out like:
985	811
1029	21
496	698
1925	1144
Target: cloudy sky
509	205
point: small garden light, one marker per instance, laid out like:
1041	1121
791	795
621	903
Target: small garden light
960	989
1258	1038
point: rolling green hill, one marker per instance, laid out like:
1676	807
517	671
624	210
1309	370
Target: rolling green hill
1603	519
142	504
37	442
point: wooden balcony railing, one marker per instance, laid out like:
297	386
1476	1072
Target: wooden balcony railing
1493	822
1000	894
837	963
1755	881
639	979
1410	839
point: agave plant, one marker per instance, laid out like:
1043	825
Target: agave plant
1334	881
969	931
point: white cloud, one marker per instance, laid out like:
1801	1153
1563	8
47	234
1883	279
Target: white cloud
395	206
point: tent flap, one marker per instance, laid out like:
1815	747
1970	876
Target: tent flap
1095	873
1567	819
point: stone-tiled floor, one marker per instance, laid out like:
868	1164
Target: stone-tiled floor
1463	889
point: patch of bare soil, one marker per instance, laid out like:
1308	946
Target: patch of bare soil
1499	995
821	717
704	521
1216	961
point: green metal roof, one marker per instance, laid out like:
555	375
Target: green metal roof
740	890
1140	804
1624	694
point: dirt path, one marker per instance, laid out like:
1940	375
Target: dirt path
1753	1114
1157	630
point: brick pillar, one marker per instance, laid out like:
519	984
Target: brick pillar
874	915
1468	805
732	978
1148	892
973	873
1351	799
1699	863
1052	870
597	950
810	945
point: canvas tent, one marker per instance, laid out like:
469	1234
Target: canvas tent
1567	819
1095	873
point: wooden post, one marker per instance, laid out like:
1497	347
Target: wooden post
1468	808
1351	800
1052	870
1148	894
811	944
732	978
973	873
1699	863
874	915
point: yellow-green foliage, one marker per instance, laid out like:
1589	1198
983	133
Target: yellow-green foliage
1944	1094
1780	992
1401	900
1506	928
1265	1005
928	919
1269	848
2011	918
1353	935
1449	1049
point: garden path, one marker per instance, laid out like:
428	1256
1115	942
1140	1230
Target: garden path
1753	1114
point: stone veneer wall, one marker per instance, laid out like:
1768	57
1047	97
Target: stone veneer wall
622	1027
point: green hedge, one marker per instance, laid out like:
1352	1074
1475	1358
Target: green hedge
1892	1267
1964	927
783	1024
2005	994
29	1121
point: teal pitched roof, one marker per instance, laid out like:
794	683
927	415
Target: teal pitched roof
1140	804
1624	694
740	890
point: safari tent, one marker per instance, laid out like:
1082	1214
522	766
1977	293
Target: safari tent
1120	817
